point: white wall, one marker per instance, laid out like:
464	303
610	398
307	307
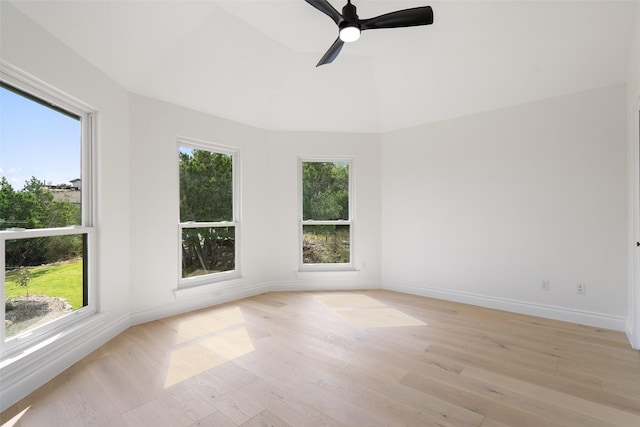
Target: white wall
633	77
28	47
481	209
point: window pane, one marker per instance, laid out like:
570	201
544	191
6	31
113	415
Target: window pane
40	163
325	190
325	244
206	186
45	280
207	250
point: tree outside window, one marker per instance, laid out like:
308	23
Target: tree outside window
326	218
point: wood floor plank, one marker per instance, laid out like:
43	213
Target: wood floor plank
331	358
604	415
313	386
235	405
188	401
216	419
71	399
480	403
121	387
588	390
290	408
152	413
266	419
488	422
438	411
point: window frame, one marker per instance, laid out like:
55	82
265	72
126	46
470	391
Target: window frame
307	267
39	91
205	279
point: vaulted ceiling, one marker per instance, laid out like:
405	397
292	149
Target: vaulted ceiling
254	61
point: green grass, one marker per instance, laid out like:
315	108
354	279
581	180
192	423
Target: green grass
55	280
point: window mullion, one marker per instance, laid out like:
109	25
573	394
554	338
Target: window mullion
216	224
326	222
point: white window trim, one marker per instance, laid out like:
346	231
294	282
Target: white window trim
190	282
350	266
35	87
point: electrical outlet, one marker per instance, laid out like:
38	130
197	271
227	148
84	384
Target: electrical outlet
545	285
581	289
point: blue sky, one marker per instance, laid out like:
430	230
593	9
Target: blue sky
36	140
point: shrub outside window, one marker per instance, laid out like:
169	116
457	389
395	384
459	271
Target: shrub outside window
46	225
326	211
209	226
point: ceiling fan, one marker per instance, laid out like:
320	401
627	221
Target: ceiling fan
350	25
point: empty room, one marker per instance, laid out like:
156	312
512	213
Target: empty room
320	213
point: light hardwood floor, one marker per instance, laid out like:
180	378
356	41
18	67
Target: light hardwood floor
370	358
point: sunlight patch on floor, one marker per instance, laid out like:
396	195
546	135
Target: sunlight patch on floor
337	301
13	421
211	340
190	361
366	312
209	324
230	345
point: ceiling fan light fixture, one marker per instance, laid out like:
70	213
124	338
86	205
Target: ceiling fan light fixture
349	33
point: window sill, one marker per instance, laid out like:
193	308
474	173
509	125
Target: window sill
326	273
205	286
53	340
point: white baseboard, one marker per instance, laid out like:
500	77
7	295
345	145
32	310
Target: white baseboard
30	371
190	299
322	284
599	320
635	344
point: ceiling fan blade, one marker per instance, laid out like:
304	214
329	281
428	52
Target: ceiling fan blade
325	7
332	53
401	18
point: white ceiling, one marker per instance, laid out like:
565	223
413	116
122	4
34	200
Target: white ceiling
254	61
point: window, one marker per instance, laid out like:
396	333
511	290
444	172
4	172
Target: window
46	226
209	211
326	225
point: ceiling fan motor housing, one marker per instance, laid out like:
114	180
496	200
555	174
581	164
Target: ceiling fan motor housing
349	16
